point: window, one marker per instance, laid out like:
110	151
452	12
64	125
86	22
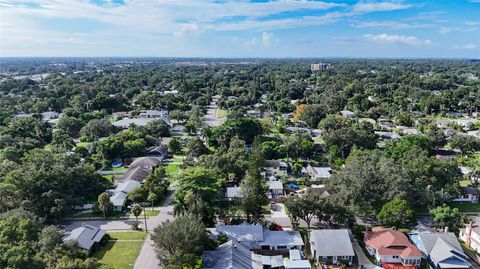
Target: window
281	247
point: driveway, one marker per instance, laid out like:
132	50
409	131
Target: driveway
147	258
363	260
279	216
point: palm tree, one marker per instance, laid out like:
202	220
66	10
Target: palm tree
104	203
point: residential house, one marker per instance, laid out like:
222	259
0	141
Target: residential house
50	115
392	249
233	193
347	113
387	135
153	114
318	190
469	194
255	237
229	255
471	235
247	234
281	240
234	255
86	236
332	246
318	173
127	122
441	250
275	167
118	196
137	173
145	162
275	188
118	200
474	133
292	129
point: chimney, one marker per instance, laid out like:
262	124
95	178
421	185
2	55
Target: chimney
446	229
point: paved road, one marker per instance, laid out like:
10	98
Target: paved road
147	259
210	118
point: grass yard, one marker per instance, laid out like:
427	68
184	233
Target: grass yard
119	254
83	144
221	113
466	206
127	235
172	169
148	212
465	183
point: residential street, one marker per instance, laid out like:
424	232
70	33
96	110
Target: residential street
146	258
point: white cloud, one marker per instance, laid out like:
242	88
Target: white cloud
267	39
468	46
250	43
190	29
390	25
379	6
446	30
397	39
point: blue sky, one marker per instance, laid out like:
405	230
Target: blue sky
241	28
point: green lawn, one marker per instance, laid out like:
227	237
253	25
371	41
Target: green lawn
83	144
119	254
172	169
127	235
465	183
466	206
148	212
221	113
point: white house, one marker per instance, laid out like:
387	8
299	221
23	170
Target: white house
281	240
347	113
275	167
254	236
471	235
233	193
153	114
332	246
118	196
469	194
275	188
50	115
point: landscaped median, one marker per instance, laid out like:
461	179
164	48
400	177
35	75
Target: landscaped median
121	250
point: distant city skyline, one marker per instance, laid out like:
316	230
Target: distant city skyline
237	29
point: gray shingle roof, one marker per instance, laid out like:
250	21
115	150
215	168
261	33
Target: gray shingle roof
138	173
332	242
281	238
86	236
230	255
242	232
145	162
444	249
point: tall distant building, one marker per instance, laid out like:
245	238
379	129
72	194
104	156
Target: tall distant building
320	66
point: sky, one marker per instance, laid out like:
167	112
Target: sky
241	28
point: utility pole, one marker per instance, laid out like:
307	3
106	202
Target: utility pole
145	219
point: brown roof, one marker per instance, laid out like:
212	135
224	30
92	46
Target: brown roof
138	173
145	162
390	242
